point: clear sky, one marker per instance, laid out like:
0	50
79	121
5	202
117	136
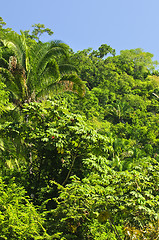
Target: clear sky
122	24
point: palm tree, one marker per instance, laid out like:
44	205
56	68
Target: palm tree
38	70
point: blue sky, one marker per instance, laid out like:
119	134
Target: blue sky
122	24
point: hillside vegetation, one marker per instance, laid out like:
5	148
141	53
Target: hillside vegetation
79	140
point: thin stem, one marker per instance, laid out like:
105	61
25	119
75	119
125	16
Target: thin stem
114	229
73	161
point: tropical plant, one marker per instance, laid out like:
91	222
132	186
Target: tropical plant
19	219
119	205
4	97
51	144
37	70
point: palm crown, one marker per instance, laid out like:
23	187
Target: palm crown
37	70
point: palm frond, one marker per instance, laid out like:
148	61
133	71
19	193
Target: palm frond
18	45
72	82
67	68
48	55
52	69
10	82
68	82
25	52
48	77
62	46
44	66
3	63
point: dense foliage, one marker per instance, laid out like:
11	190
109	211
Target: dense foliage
79	140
